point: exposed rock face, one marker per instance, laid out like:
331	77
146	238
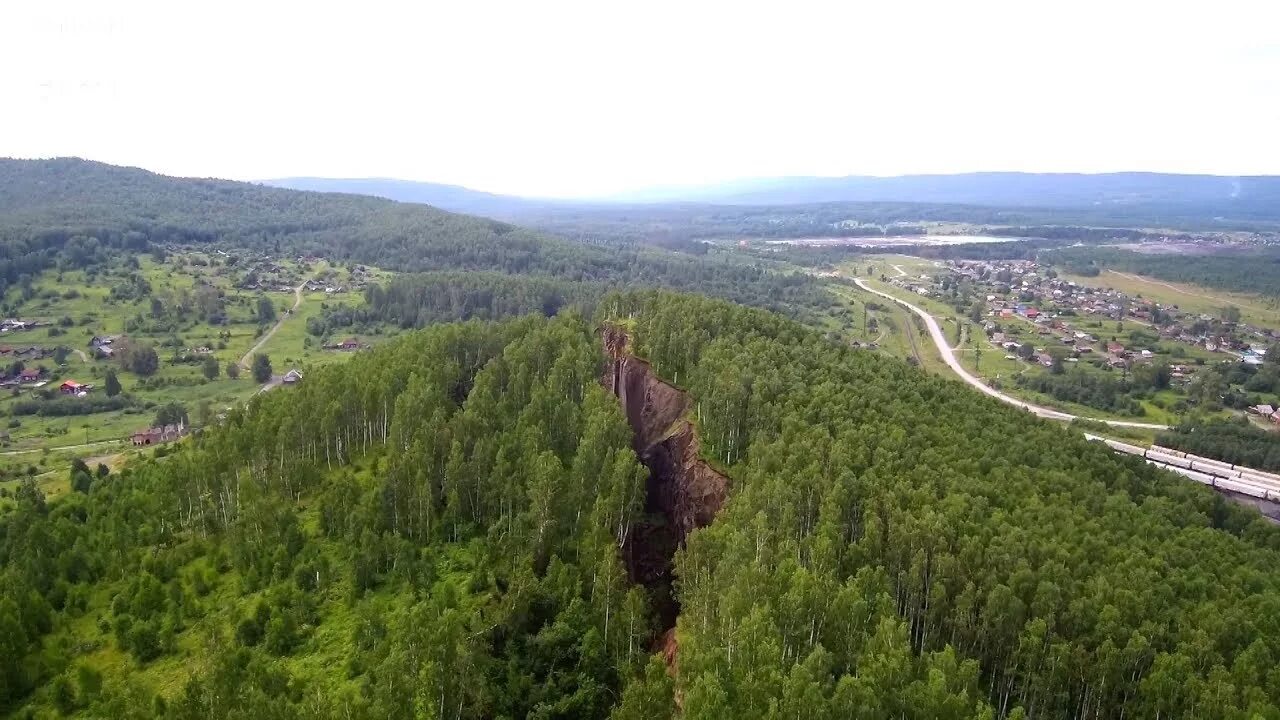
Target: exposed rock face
682	486
683	492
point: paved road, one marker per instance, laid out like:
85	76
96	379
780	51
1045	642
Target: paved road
297	300
949	357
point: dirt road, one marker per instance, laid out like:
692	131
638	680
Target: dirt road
1183	291
949	357
62	447
297	300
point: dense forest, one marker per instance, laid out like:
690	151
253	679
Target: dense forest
419	300
1235	441
1255	271
429	531
436	529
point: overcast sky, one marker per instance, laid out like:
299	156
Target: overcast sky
560	98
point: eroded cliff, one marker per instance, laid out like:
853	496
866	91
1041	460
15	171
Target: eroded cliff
683	492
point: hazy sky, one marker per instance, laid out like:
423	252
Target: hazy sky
561	98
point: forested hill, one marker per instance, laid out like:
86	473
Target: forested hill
449	197
78	196
74	213
434	530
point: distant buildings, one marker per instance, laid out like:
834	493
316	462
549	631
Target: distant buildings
71	387
157	435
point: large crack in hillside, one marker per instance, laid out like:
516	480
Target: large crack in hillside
682	493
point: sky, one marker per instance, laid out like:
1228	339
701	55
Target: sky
591	98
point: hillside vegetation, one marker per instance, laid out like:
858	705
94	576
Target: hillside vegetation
74	213
433	530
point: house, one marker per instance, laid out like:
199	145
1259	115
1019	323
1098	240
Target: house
349	344
156	435
1115	348
1147	354
71	387
30	375
1265	411
1032	313
292	377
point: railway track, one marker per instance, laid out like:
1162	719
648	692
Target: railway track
1215	473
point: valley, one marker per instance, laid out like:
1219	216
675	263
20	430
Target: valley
444	361
515	475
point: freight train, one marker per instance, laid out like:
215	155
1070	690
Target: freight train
1215	473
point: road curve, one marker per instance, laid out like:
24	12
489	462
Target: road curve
935	331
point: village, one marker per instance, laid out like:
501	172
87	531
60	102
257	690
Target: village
267	274
91	366
1031	314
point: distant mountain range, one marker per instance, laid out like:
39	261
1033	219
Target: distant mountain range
454	198
1206	196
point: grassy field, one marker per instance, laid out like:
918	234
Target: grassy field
1254	309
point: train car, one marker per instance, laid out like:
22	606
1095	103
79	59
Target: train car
1213	468
1260	474
1202	478
1257	479
1168	459
1168	451
1247	488
1124	447
1208	465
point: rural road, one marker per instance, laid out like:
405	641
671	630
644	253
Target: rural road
61	447
297	300
949	357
